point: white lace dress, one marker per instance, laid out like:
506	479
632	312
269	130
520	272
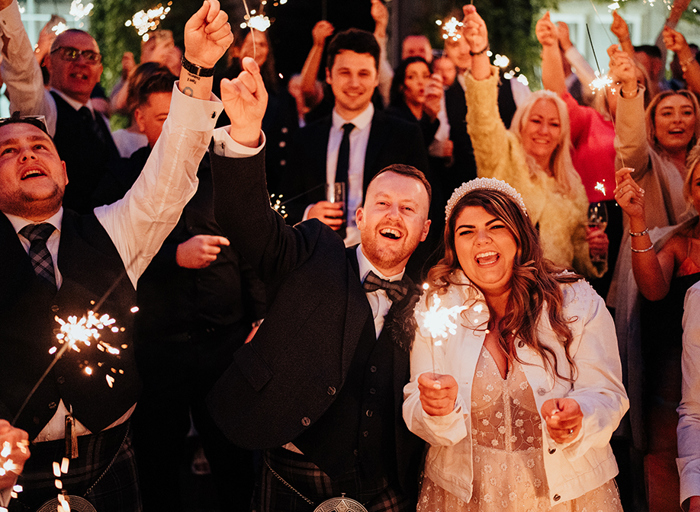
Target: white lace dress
509	473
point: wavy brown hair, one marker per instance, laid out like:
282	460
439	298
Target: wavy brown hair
534	284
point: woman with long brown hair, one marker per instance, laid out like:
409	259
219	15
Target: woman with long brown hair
519	397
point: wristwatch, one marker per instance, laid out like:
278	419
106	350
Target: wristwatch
195	69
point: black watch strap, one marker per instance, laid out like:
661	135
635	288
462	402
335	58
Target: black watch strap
195	69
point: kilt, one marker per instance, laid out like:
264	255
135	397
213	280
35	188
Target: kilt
104	473
272	495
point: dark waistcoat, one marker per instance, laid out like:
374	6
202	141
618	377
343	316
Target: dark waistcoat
85	154
89	264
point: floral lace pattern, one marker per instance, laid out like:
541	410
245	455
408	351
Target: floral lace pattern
509	472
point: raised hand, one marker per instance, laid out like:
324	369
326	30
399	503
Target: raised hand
322	30
563	417
380	15
474	29
628	194
674	40
546	31
564	36
619	28
200	251
245	101
331	214
207	35
438	393
433	96
623	69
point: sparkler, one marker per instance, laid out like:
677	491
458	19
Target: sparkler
600	187
258	22
147	21
59	27
439	322
278	205
78	10
451	29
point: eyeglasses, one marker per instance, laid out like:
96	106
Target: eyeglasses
72	54
38	121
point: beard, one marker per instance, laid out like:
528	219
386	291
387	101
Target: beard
33	207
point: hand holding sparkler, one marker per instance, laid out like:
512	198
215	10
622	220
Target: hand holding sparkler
623	70
380	15
14	452
476	34
622	32
245	101
675	42
546	31
207	35
563	417
434	92
438	393
630	197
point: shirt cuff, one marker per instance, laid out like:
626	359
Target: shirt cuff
225	146
198	115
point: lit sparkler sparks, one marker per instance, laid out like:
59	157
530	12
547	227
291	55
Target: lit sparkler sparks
78	10
451	29
59	27
600	187
441	321
501	61
278	205
613	6
258	22
600	82
147	21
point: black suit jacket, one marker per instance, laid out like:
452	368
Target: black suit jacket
284	380
391	141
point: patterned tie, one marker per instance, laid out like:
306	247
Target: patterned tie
96	125
38	234
396	290
341	170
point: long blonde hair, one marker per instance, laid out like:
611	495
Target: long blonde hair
650	114
561	165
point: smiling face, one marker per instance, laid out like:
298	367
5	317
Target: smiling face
415	82
541	132
485	250
353	79
393	220
78	78
260	50
674	123
32	176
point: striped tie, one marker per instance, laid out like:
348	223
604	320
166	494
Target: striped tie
38	234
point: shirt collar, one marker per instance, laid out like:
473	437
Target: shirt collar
74	103
361	120
365	266
19	222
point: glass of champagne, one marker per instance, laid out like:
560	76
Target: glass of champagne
598	219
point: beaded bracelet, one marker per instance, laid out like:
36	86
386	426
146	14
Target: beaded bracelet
641	233
643	250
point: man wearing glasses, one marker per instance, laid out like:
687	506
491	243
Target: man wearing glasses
81	134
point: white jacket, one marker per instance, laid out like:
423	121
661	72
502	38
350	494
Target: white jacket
572	468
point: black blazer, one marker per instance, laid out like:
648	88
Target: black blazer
288	375
391	141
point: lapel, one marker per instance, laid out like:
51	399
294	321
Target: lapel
16	272
378	134
358	310
319	147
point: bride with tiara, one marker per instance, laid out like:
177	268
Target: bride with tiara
519	397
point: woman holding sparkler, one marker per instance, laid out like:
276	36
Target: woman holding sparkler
519	402
534	156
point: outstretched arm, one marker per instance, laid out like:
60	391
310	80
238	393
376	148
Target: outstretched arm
475	32
675	42
309	73
553	77
622	32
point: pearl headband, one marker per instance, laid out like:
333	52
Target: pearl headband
483	184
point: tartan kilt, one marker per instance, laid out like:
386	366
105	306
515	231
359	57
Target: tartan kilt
272	495
104	473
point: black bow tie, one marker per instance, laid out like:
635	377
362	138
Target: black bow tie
396	290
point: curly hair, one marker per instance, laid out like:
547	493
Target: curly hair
534	284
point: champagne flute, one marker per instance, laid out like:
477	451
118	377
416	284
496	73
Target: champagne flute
598	219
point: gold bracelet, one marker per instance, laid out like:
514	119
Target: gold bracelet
643	250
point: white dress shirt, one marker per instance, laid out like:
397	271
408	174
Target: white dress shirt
378	300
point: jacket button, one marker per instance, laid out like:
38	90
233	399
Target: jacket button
53	405
305	421
552	450
331	390
369	413
54	308
541	391
373	369
60	379
355	452
556	497
365	433
372	391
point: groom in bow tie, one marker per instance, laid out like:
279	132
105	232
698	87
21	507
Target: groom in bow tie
320	386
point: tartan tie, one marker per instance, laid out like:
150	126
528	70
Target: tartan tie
396	290
38	234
